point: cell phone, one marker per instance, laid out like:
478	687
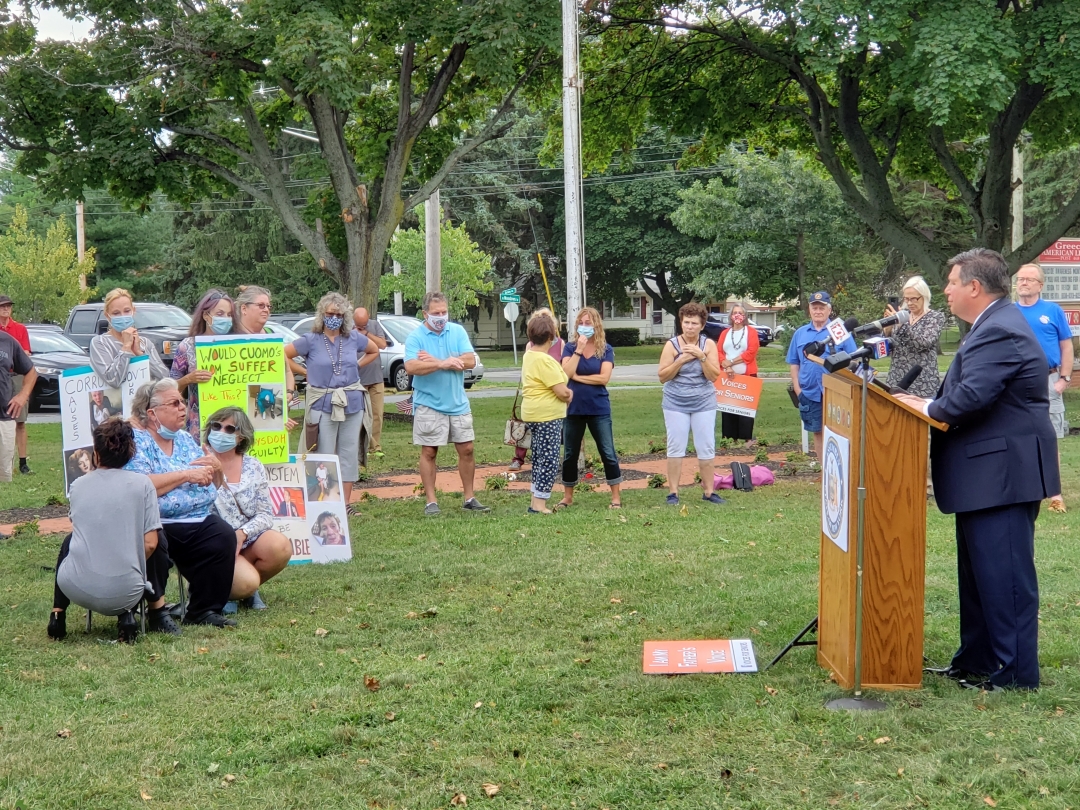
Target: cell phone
894	302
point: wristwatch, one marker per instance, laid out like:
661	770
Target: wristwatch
1066	379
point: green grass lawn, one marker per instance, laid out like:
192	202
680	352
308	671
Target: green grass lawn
528	673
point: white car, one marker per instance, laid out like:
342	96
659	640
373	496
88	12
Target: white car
398	328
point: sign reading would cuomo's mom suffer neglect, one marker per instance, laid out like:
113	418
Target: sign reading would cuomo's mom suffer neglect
249	373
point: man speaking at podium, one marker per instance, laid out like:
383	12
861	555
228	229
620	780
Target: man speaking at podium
992	468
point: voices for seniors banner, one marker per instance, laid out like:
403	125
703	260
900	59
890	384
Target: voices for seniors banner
249	372
86	402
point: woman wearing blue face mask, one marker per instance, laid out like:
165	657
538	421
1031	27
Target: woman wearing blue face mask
111	351
213	315
243	501
335	396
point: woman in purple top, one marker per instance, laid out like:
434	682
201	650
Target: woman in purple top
213	315
588	362
335	397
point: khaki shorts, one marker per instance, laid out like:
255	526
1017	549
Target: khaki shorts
1057	410
16	387
430	428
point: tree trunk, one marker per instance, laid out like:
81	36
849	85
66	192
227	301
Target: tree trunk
800	270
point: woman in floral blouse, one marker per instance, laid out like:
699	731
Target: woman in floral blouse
243	501
916	341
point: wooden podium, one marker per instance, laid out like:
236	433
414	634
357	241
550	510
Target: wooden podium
894	538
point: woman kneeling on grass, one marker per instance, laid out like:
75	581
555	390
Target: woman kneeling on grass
544	396
243	501
112	558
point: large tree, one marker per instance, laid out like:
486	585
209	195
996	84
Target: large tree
191	97
939	91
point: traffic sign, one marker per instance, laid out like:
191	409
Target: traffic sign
509	296
510	312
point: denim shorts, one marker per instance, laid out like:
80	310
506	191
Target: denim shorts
810	412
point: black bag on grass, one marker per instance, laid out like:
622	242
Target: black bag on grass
740	474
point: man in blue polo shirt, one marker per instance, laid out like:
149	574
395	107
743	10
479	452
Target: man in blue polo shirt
805	373
437	354
1047	320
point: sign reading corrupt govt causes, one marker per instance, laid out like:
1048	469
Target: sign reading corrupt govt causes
685	657
86	402
738	394
249	373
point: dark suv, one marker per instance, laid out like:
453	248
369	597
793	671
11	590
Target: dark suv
719	321
164	324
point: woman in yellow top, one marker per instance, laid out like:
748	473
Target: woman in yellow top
544	397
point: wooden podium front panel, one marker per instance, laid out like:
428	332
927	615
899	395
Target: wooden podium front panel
894	552
894	545
836	597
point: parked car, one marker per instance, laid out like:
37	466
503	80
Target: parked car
399	327
51	353
288	319
164	324
290	336
719	321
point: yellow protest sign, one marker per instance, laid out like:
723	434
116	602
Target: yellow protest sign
249	373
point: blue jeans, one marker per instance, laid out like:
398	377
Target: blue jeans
574	432
810	412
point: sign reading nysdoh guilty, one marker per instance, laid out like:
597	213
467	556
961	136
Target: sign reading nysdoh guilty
249	373
738	394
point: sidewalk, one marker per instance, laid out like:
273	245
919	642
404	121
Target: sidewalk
404	485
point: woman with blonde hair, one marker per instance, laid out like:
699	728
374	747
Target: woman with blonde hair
112	351
588	362
335	396
916	342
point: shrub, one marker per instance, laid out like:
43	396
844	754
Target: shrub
657	481
623	336
495	482
657	447
761	455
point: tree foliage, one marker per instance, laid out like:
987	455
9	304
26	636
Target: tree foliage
937	92
41	273
466	270
193	98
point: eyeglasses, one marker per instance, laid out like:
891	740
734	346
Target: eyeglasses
914	300
260	306
230	429
175	403
1028	280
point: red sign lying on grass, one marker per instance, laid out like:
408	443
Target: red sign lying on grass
682	657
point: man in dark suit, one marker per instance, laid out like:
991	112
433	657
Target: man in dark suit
992	467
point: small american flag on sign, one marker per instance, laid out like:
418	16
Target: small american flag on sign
405	406
278	496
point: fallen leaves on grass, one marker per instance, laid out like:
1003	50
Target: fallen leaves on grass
582	661
64	733
478	704
989	802
292	622
421	657
321	631
371	683
390	717
663	766
771	691
490	789
616	600
882	740
145	796
212	768
203	650
683	511
459	800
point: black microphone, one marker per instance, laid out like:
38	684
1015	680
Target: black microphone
908	379
899	319
817	348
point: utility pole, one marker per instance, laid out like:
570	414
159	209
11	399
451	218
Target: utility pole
80	238
433	242
575	237
1017	199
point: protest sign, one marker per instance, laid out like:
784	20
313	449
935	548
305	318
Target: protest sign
715	656
684	657
249	373
86	402
738	394
309	508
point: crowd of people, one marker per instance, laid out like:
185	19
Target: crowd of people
166	488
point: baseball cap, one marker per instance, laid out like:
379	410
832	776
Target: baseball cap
5	300
821	297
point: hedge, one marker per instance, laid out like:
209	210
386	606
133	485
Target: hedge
623	336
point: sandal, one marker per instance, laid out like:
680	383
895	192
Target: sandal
560	506
615	506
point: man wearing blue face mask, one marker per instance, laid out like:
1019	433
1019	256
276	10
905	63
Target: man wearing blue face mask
437	354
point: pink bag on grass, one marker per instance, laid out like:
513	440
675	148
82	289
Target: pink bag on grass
759	476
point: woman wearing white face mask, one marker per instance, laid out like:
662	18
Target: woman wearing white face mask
243	501
111	352
214	315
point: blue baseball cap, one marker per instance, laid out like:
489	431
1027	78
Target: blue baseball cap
821	297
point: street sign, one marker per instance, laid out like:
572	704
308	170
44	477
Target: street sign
1073	316
509	296
510	312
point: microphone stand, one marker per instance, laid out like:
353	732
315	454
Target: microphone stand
858	702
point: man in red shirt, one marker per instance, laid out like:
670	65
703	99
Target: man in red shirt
22	337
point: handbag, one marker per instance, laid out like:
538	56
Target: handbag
311	436
517	433
740	477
